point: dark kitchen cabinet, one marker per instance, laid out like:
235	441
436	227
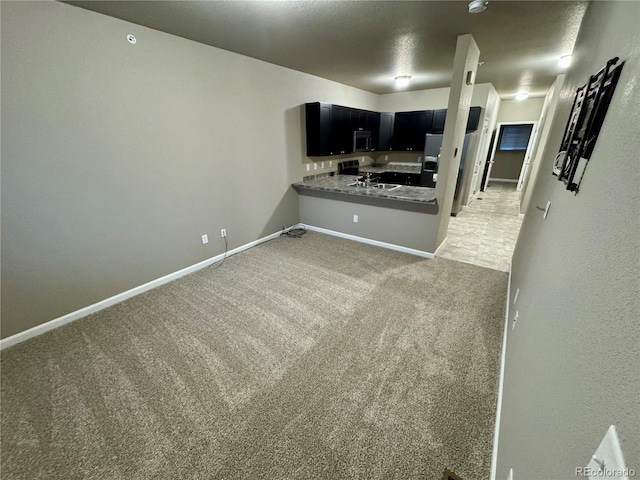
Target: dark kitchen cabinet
410	128
341	132
439	117
364	120
474	119
319	126
330	128
385	135
400	178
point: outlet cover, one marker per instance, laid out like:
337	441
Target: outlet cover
355	219
608	461
205	239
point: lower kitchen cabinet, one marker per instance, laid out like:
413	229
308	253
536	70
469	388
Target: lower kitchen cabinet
400	178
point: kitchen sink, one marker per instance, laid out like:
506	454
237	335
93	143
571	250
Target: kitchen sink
385	186
382	186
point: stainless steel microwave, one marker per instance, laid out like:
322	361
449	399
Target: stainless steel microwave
362	141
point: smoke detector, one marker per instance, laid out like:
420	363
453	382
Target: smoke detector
477	6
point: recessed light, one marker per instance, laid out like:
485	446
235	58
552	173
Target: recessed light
522	96
564	61
477	6
402	80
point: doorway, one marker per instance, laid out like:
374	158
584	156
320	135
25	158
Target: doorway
511	153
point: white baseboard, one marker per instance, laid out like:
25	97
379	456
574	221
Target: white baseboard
506	180
83	312
496	432
435	254
377	243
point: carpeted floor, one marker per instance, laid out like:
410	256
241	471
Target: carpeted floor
311	358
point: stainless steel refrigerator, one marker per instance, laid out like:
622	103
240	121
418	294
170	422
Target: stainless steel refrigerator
429	171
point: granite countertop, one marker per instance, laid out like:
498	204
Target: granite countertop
392	167
340	184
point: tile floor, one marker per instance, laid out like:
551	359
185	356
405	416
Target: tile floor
485	232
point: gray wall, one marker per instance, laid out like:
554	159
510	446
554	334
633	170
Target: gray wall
117	158
521	111
572	361
399	227
507	164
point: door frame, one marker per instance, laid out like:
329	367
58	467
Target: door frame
527	154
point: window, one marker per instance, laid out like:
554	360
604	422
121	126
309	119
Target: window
515	137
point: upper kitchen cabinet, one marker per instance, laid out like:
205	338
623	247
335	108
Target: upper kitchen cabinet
318	129
385	135
410	128
331	128
341	131
440	116
474	119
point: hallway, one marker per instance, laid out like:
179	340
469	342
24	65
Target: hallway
485	232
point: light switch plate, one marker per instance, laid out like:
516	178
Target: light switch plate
355	219
608	461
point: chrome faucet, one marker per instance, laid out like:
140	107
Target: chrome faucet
367	180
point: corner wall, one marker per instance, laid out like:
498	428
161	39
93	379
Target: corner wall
572	362
116	158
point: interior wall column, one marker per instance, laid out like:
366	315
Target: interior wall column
465	61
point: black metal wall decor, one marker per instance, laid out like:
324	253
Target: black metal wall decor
589	108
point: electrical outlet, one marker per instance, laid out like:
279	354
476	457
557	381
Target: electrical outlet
361	159
322	165
386	158
608	461
515	319
205	239
315	166
546	210
355	219
515	298
308	167
223	232
331	163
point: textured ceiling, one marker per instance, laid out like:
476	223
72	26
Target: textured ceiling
366	43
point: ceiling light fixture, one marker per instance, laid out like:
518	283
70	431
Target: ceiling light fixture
477	6
564	61
520	96
402	80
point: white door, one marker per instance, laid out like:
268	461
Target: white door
479	157
527	157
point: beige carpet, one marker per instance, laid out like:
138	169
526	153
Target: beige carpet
311	358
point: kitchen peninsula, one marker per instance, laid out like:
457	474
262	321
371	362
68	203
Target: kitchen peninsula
403	217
